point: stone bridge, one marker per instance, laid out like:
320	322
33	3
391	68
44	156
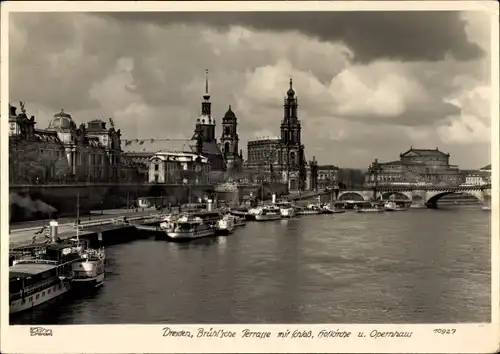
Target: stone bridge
423	195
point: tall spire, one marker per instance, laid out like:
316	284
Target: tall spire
206	96
290	93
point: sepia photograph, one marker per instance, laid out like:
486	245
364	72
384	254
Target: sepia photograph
213	168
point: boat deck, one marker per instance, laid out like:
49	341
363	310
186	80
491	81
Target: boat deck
24	270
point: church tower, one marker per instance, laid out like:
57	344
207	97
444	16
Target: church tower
293	159
229	139
205	124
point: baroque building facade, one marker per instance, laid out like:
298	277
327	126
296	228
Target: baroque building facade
416	166
180	167
221	156
282	158
63	152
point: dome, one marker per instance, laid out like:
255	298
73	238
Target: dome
229	113
62	121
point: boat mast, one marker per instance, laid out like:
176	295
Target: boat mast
77	218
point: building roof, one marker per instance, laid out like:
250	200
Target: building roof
156	145
264	140
23	270
487	168
396	162
424	152
328	167
229	114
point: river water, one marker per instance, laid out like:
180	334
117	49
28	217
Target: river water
404	267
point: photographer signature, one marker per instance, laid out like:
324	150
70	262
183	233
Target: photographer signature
40	331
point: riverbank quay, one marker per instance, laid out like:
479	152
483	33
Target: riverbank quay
106	227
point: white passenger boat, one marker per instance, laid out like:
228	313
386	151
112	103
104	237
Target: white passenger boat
90	270
286	209
486	208
372	209
326	209
393	206
311	209
252	212
167	221
269	212
188	227
226	225
42	273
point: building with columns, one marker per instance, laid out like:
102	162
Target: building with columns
64	152
282	158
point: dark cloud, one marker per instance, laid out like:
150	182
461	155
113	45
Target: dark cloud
407	35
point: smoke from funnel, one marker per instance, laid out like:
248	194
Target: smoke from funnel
33	206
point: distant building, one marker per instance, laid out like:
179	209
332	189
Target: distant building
428	166
142	150
65	153
479	177
281	158
327	176
179	168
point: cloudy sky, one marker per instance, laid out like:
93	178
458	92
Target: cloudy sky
369	84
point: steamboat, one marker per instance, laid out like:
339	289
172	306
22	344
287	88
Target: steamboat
90	270
268	212
41	273
188	227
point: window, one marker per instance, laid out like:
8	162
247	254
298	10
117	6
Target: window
37	296
31	299
157	167
227	130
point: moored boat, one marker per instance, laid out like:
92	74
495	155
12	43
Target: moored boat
374	208
311	209
90	270
226	225
326	209
239	221
393	206
41	274
241	212
188	227
268	212
286	209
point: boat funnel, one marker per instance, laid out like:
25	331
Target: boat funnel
209	205
54	225
274	198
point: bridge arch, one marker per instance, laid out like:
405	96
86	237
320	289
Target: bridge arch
397	196
351	196
433	198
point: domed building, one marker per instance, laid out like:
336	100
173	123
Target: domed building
63	152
